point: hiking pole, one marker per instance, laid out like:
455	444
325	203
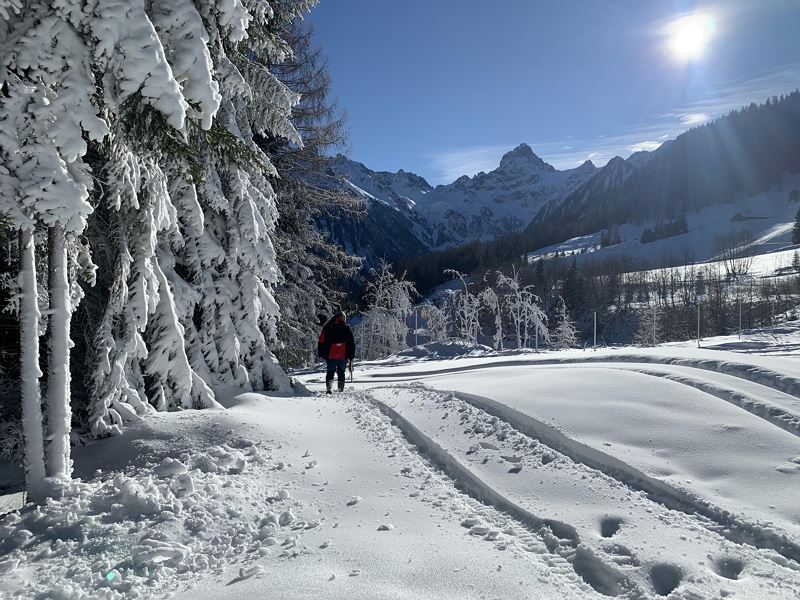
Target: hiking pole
351	370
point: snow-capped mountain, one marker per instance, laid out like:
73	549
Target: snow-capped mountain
483	207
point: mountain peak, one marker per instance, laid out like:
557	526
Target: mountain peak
523	157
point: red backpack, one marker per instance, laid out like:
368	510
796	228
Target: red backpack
337	351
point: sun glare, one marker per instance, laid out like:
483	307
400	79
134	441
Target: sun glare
689	36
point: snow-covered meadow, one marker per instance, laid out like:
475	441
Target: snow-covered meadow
446	471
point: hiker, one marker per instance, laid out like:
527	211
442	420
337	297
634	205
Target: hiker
337	346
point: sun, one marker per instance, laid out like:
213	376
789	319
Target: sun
689	36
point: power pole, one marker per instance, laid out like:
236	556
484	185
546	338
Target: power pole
594	344
416	326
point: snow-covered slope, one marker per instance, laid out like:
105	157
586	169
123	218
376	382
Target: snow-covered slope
483	207
766	220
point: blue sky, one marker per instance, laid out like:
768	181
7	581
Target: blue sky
444	87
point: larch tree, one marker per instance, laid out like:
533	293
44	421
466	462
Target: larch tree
491	301
648	332
314	271
523	309
437	322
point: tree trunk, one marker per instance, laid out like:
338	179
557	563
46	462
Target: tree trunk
32	422
59	413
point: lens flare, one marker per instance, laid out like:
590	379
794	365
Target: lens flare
690	35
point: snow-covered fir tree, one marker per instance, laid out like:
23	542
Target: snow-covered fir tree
132	126
563	335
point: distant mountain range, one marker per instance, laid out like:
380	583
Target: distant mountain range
526	204
406	216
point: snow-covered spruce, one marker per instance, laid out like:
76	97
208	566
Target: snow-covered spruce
159	103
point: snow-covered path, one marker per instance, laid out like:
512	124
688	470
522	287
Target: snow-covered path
302	497
390	525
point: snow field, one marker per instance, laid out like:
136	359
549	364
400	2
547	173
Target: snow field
637	474
706	451
617	539
769	223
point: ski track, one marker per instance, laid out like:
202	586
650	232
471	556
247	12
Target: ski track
730	526
559	538
483	512
562	539
752	373
779	415
771	413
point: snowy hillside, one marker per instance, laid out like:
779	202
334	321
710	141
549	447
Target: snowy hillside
483	207
764	222
446	472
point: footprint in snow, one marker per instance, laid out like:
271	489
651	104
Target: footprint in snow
385	527
354	500
515	469
609	526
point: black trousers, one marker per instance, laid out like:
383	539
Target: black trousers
337	367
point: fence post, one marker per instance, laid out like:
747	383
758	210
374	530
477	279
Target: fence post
654	325
740	317
698	324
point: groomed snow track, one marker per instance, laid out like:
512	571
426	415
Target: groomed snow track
559	538
724	522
